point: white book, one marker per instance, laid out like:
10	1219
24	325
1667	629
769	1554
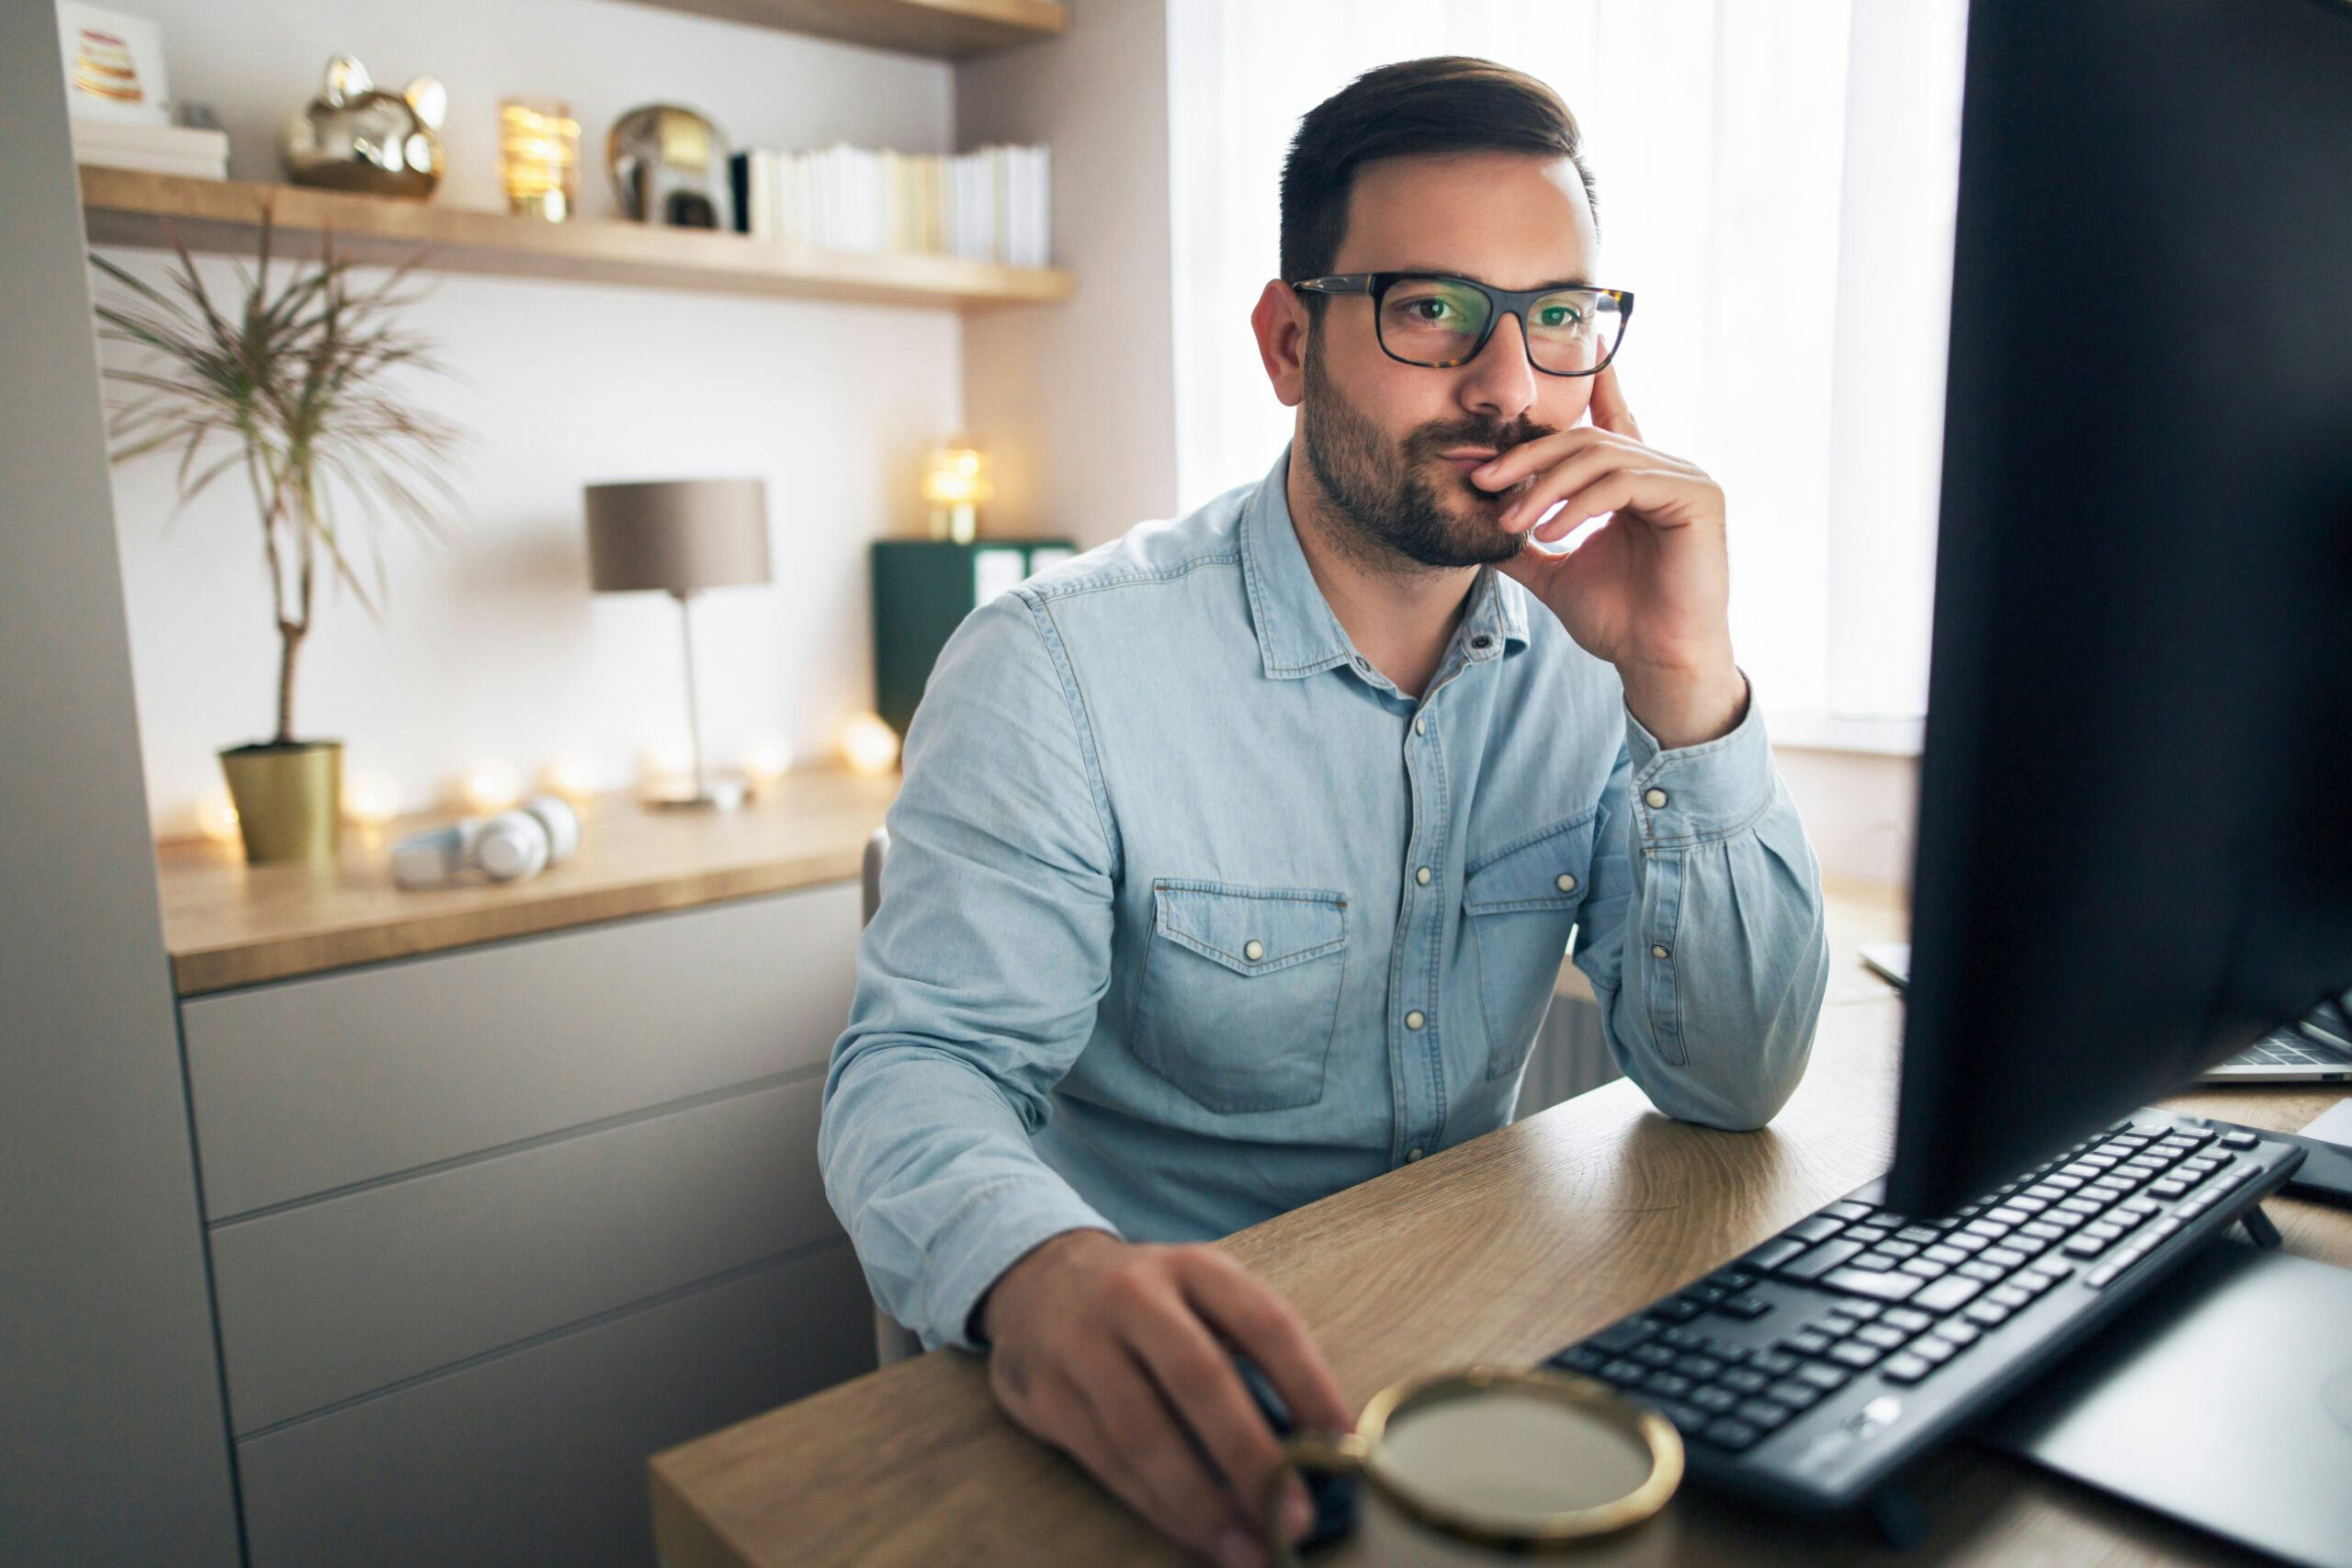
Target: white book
1044	206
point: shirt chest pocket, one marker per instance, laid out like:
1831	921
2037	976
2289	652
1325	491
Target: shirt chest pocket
1240	992
1521	904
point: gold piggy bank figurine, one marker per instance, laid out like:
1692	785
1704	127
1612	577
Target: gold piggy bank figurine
356	136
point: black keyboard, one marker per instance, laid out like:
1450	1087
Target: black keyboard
1818	1365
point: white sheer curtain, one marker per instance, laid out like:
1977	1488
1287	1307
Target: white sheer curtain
1724	136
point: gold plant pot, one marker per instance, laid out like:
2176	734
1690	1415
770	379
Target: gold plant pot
288	798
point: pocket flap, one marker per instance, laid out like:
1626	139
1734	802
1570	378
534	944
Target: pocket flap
1251	931
1545	870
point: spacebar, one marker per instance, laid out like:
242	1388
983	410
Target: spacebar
1872	1282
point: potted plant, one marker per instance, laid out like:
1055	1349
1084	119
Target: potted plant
294	387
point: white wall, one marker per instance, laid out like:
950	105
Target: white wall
495	649
1076	400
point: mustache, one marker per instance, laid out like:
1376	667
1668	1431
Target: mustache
1431	440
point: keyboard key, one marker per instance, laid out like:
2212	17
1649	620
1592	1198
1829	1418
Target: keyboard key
1850	1209
1747	1305
1823	1376
1774	1363
1666	1386
1715	1400
1856	1354
2002	1257
1878	1284
1989	1273
1925	1235
1653	1355
1700	1369
1731	1434
1933	1350
2010	1296
1686	1416
1765	1415
1624	1336
1906	1319
1822	1259
2235	1139
1794	1392
1581	1359
1682	1338
1925	1267
1837	1324
2087	1245
1905	1367
1948	1295
1807	1342
1992	1314
1774	1253
1624	1372
1961	1335
1945	1255
1882	1337
1744	1379
1677	1309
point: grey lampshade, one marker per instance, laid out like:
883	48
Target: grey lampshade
677	535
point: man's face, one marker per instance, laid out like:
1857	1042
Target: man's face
1376	431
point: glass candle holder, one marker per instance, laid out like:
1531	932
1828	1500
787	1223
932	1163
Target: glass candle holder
538	157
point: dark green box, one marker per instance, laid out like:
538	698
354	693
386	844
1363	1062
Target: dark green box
922	591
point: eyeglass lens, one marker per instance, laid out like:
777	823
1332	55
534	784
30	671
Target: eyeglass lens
1436	322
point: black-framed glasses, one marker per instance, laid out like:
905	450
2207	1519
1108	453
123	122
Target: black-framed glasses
1438	320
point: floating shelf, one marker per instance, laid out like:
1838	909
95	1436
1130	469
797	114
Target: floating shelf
123	207
943	30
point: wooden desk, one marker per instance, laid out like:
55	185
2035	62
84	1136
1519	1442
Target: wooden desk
1500	1251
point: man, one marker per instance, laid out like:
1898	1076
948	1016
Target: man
1236	860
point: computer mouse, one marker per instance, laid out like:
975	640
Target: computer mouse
1334	1496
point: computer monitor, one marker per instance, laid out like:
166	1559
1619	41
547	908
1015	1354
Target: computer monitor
2134	851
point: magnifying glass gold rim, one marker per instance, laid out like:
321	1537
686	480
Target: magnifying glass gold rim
1358	1450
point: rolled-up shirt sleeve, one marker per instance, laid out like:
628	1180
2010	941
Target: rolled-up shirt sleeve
977	980
1703	933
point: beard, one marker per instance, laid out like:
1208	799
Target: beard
1395	503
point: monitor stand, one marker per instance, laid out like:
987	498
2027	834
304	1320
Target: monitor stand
2223	1398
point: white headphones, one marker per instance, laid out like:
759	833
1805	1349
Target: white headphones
517	843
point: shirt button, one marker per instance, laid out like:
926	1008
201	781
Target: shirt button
1657	952
1253	951
1422	876
1414	1019
1414	1152
1420	725
1656	797
1565	882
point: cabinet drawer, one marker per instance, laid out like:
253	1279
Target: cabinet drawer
312	1085
539	1456
326	1301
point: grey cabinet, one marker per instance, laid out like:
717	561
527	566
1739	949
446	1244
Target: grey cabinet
489	1226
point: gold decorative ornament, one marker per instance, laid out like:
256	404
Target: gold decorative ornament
668	167
356	136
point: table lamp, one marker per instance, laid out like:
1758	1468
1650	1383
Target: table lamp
956	481
680	537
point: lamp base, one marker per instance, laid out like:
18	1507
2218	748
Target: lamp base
717	795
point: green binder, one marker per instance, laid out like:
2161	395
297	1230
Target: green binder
922	591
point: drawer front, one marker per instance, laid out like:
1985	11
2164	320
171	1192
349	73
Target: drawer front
539	1457
312	1085
326	1301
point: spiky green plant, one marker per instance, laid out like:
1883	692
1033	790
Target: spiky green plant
295	382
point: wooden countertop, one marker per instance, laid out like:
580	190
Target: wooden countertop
1500	1251
226	923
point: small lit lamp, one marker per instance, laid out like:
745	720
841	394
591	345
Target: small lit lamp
538	158
680	537
956	481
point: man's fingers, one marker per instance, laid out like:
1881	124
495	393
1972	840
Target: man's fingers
1106	1457
1198	1378
1613	492
1609	408
1270	1331
1566	478
1182	1498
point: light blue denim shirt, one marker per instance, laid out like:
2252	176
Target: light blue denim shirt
1191	917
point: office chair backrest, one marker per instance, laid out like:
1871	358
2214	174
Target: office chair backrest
892	1340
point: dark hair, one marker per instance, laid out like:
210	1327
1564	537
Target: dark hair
1447	102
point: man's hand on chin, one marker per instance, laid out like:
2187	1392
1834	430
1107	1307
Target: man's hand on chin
1649	589
1109	1350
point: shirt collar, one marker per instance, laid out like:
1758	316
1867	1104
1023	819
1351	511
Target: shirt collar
1297	633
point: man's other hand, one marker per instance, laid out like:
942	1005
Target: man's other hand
1109	1350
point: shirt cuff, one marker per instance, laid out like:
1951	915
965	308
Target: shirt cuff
998	1226
1694	795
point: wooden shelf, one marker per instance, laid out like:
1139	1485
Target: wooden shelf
123	207
943	30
